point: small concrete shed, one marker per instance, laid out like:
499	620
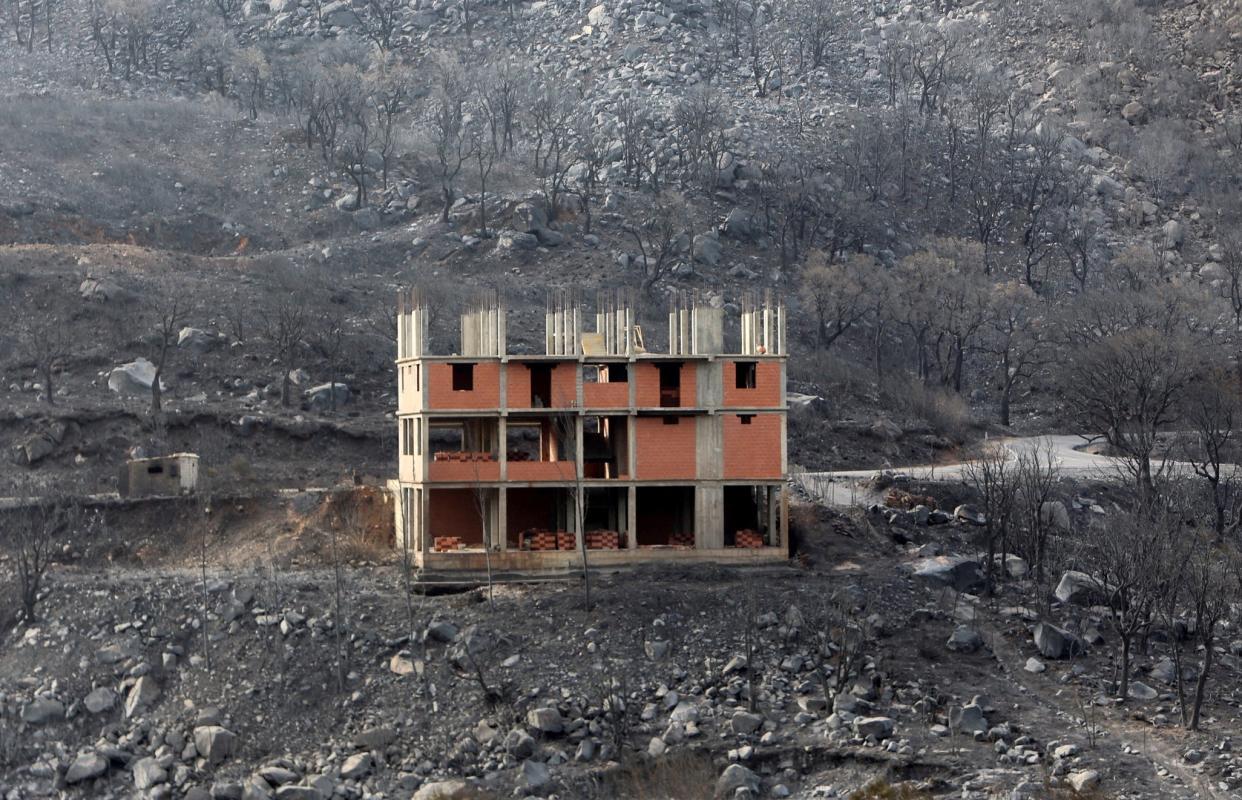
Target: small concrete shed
162	476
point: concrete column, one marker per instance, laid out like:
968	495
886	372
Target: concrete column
774	535
631	517
502	518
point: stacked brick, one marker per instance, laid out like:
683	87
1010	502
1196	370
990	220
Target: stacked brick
748	538
462	456
566	541
541	540
445	544
603	540
681	540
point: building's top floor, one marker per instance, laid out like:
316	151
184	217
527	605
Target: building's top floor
695	330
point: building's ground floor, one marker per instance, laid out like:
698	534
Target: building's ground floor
535	526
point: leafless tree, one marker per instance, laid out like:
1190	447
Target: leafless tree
551	117
700	125
592	142
1211	588
326	335
484	156
47	345
568	426
1213	416
447	126
1017	338
35	534
380	21
1035	476
657	239
1128	387
1126	557
285	329
170	315
995	482
837	293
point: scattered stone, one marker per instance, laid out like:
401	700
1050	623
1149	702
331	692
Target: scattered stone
214	743
145	692
735	777
85	767
1054	642
964	640
1083	781
42	710
545	720
877	728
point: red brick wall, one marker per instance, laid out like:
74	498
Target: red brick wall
564	384
451	512
460	471
754	450
606	395
664	451
486	392
648	390
767	391
540	470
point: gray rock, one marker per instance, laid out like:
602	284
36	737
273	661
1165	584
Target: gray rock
739	224
214	743
707	249
745	723
885	430
85	767
292	792
964	640
1083	781
101	291
969	719
1134	112
357	766
1054	514
1080	589
42	710
1054	642
657	650
196	339
320	397
529	217
545	720
874	727
535	775
147	773
376	738
442	790
968	513
1141	691
959	574
143	693
520	744
133	379
1034	665
100	700
439	630
735	777
512	240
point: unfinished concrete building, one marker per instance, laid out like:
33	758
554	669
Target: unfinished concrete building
524	460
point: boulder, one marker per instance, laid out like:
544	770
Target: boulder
964	640
707	249
148	773
1134	112
1141	691
100	700
735	777
33	449
357	766
43	710
530	217
598	16
1174	234
442	790
196	339
1054	514
1054	642
321	397
877	728
746	723
85	767
1083	781
513	240
739	224
101	291
1034	665
545	720
959	574
968	513
133	379
1080	589
214	742
143	693
969	719
439	630
535	775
